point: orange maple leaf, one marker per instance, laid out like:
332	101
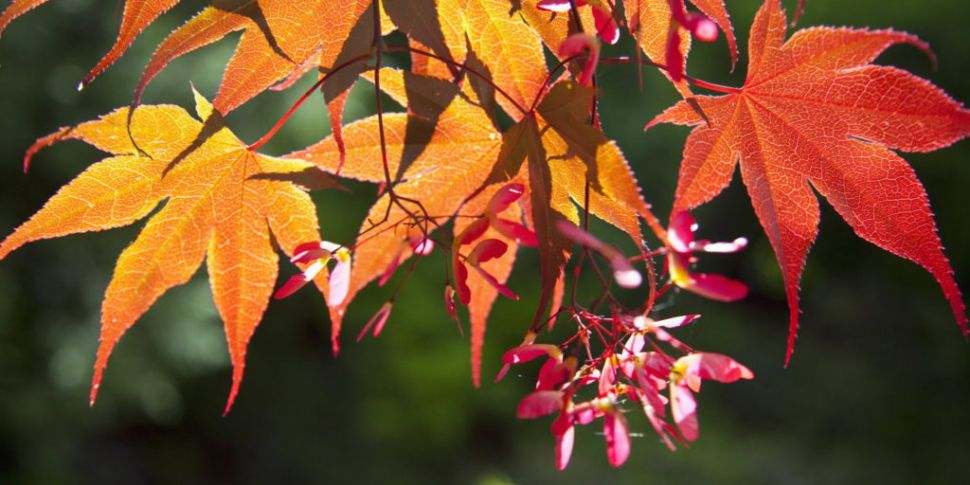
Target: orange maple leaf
813	110
222	202
279	36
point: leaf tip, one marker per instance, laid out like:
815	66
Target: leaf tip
792	335
237	376
477	341
335	345
44	142
956	305
105	346
95	385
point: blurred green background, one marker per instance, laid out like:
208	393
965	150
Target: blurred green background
878	392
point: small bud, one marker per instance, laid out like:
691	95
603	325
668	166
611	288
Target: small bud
422	247
703	28
558	6
721	247
628	278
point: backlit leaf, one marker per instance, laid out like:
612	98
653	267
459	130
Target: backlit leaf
452	163
814	113
278	37
220	204
509	48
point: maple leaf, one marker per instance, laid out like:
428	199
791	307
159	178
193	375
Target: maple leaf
222	203
279	37
137	15
813	110
549	203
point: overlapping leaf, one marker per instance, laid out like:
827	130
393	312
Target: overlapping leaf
459	146
504	43
570	161
489	36
814	112
651	21
278	37
432	26
454	155
483	293
615	195
222	203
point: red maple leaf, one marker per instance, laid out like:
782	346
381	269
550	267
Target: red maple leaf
813	112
